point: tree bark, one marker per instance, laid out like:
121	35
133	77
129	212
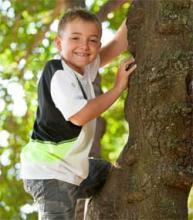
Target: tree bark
156	166
100	125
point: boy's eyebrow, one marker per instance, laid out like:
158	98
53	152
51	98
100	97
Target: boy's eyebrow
78	33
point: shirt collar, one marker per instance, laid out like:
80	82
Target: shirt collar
66	66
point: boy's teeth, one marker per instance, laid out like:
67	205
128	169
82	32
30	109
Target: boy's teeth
82	54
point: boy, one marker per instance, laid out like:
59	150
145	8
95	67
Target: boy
55	165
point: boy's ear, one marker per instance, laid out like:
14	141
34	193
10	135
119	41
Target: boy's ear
58	43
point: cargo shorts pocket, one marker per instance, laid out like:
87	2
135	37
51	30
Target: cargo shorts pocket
34	187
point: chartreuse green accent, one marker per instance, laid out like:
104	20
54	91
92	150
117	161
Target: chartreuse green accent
47	152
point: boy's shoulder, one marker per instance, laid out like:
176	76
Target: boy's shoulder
50	68
53	65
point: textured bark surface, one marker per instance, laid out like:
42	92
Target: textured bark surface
156	167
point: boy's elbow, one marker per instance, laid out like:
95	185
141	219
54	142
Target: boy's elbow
77	121
80	118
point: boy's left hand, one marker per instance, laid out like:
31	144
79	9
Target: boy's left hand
125	70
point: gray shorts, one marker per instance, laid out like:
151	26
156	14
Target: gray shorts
56	200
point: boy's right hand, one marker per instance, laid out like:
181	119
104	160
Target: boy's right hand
123	74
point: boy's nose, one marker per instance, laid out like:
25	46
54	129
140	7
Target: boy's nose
85	45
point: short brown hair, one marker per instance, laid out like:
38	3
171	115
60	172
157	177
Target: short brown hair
74	13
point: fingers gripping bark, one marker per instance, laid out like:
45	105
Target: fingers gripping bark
126	68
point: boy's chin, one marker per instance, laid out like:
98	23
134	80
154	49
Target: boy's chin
83	63
85	60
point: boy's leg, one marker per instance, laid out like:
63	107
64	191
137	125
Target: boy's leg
98	172
56	200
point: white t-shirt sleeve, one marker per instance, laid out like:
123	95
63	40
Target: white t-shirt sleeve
66	94
92	68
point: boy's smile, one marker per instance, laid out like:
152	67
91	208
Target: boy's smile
79	43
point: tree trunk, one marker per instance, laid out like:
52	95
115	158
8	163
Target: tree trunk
156	166
101	123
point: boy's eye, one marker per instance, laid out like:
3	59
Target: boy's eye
93	40
75	38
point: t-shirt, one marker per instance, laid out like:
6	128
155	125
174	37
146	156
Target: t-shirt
59	149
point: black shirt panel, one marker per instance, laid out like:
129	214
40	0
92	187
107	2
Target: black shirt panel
50	124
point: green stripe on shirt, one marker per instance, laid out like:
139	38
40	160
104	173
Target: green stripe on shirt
46	152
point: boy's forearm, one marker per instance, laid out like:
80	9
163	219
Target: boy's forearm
101	103
96	106
121	37
116	46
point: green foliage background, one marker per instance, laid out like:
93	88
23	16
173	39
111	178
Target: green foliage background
22	57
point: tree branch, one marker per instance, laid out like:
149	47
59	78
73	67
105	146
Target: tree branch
75	3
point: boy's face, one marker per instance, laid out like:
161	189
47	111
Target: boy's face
79	43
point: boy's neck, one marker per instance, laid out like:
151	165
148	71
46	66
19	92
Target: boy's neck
81	72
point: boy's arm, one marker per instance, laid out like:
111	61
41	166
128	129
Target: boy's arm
98	105
95	107
117	45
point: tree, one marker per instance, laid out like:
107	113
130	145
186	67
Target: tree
156	167
27	35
